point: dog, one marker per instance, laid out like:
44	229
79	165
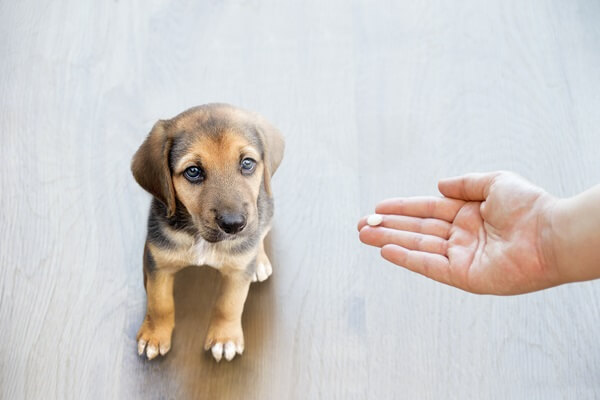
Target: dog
209	171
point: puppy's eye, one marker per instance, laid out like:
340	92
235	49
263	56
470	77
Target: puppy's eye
193	174
248	165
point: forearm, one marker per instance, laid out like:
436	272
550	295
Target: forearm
576	236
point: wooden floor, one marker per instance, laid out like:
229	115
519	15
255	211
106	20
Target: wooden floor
376	99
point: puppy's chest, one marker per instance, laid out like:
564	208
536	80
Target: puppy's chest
217	255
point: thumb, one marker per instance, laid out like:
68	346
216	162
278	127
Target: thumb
470	187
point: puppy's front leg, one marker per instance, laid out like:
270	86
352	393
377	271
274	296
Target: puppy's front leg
154	335
225	335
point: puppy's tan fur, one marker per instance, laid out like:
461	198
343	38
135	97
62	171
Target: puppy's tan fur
184	223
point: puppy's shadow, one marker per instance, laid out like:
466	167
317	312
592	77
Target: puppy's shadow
199	375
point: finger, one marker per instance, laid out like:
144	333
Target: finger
470	187
426	226
424	207
362	222
433	266
380	237
483	210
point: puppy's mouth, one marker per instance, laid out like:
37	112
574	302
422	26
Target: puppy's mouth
215	235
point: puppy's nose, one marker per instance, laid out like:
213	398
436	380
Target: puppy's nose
231	223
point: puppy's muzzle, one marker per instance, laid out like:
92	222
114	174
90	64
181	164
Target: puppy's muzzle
231	223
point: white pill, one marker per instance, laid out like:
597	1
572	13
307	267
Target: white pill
374	219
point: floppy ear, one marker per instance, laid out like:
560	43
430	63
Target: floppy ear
273	147
150	166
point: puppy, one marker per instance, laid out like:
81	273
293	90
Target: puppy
209	170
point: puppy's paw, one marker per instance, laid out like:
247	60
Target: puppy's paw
154	339
263	268
224	340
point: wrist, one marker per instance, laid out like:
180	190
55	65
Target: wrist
575	237
550	247
567	255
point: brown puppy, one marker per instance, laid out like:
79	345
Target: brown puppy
209	170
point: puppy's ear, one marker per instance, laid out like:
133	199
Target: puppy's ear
150	166
273	144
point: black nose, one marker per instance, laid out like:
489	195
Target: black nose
231	223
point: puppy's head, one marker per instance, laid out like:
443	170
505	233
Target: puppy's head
213	159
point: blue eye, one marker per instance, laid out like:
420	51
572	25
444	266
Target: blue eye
193	174
248	166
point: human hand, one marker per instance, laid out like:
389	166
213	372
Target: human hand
491	233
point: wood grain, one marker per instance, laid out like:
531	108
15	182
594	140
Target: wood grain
375	100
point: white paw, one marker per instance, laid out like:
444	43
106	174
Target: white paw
152	350
229	350
263	272
154	341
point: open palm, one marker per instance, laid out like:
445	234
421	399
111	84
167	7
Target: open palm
485	235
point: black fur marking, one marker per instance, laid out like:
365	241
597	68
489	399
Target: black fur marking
181	221
155	232
181	143
246	244
149	262
213	126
